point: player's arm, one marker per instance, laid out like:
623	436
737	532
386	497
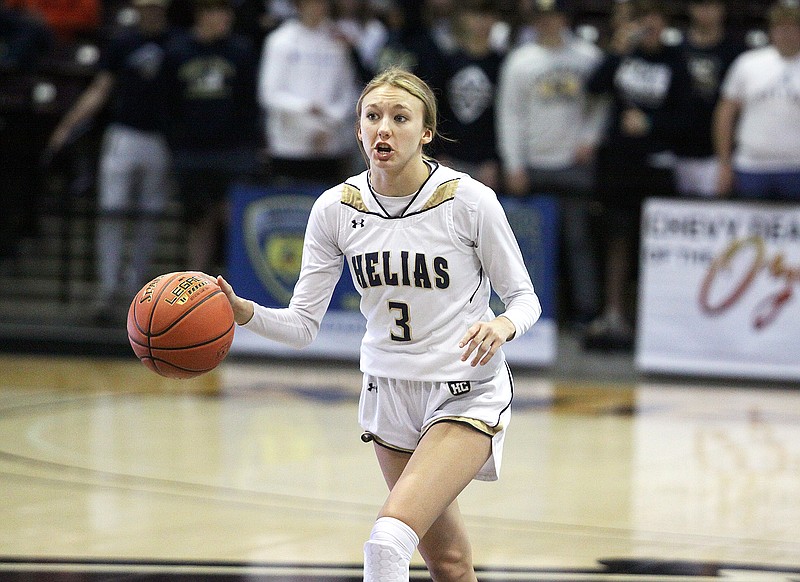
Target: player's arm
726	115
298	324
499	253
510	103
85	108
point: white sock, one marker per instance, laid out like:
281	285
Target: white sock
388	551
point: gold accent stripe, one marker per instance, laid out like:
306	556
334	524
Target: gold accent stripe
383	443
351	196
478	425
443	193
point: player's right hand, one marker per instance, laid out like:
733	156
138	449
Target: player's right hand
243	309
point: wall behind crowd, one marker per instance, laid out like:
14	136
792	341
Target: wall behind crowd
42	76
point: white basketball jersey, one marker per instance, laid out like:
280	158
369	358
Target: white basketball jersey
422	286
423	275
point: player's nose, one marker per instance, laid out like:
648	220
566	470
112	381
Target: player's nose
384	129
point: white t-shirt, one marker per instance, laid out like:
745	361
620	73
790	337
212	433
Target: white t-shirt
303	67
423	275
767	86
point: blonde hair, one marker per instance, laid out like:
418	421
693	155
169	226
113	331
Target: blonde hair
407	81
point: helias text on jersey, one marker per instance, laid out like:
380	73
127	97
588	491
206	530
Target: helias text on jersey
414	269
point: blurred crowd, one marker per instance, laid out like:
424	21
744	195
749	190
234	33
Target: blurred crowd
601	107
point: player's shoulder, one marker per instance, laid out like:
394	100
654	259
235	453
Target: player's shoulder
757	57
352	187
751	64
286	31
521	55
466	189
585	48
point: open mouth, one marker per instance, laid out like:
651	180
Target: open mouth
383	148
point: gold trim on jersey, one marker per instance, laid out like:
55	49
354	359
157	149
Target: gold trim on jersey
444	192
351	196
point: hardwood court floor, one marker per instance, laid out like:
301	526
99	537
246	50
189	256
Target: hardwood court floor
256	471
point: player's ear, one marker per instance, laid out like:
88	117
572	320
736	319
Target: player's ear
427	135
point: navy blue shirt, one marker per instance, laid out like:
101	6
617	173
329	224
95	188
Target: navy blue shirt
708	67
468	107
657	83
211	93
136	61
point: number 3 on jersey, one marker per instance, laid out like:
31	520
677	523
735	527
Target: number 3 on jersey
401	322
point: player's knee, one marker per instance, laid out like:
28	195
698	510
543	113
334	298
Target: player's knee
451	565
388	551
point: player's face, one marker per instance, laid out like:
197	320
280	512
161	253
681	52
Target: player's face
652	26
392	127
785	35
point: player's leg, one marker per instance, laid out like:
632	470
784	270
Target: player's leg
447	458
423	488
113	199
154	163
446	548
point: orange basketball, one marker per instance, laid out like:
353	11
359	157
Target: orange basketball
180	325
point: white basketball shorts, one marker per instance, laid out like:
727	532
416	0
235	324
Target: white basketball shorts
397	413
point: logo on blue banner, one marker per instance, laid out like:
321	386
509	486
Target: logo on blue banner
273	230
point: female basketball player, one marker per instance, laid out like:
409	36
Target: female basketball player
422	243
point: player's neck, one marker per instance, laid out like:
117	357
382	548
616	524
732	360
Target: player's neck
403	183
551	39
706	36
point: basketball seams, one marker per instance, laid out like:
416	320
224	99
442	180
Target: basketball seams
152	314
156	303
157	361
201	344
184	315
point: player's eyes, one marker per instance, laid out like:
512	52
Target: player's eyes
400	118
371	116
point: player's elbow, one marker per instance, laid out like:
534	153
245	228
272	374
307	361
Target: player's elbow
306	334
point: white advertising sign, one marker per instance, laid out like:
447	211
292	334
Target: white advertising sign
717	289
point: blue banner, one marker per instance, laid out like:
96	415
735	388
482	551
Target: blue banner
266	244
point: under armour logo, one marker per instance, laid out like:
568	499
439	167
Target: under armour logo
357	222
370	385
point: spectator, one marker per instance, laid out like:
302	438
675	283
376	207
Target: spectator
133	181
364	32
70	20
709	52
252	19
468	95
549	131
210	76
621	14
397	50
757	121
23	42
437	19
650	87
522	30
307	86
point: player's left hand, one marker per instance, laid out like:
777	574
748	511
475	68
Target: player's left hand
485	338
